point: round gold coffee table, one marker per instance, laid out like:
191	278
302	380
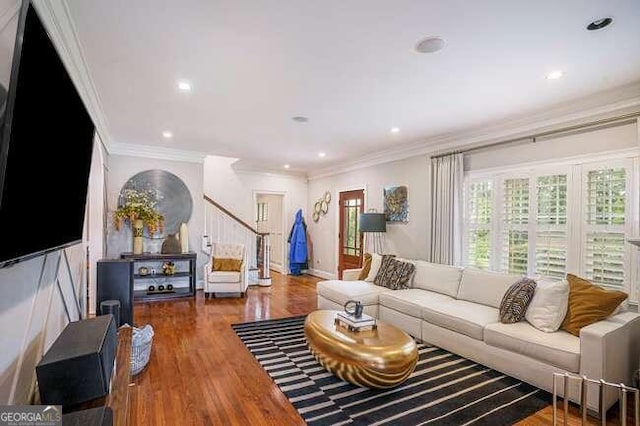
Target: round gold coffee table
379	359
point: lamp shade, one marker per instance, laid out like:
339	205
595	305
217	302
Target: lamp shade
373	222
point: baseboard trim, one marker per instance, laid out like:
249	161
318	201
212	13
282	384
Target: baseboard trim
321	274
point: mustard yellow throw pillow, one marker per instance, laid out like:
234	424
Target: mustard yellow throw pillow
220	264
366	267
588	303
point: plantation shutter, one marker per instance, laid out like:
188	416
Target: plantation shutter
479	211
515	242
605	218
551	226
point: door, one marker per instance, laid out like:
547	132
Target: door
270	219
349	237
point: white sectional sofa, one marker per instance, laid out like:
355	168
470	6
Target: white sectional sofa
458	310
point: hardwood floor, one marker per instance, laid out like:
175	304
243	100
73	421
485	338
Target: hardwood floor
200	373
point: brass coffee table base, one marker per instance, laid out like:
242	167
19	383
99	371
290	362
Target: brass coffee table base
379	359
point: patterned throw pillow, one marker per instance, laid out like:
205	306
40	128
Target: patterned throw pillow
516	300
394	274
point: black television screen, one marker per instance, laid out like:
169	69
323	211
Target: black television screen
45	148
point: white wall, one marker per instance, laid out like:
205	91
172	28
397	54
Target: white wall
411	240
236	191
121	168
406	240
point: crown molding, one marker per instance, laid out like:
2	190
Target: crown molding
621	100
57	20
155	152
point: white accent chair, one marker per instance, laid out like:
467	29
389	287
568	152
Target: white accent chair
225	281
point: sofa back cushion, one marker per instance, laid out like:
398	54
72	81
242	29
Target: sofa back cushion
485	287
443	279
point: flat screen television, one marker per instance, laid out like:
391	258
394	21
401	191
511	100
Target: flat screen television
46	143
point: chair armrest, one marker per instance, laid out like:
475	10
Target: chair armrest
351	274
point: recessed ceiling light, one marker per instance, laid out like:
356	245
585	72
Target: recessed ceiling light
286	166
322	154
395	130
599	24
300	119
185	86
167	134
554	75
429	45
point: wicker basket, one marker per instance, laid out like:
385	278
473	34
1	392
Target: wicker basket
140	348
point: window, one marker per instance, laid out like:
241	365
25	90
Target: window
263	212
547	221
516	219
479	221
551	225
604	225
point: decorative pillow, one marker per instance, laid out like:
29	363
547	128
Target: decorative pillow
366	267
376	262
548	305
516	300
589	303
221	264
394	274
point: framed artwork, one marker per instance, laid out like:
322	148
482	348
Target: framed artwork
396	204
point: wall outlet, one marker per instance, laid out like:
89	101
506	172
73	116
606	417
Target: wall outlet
318	261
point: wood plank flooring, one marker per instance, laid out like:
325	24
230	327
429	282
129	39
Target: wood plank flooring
200	373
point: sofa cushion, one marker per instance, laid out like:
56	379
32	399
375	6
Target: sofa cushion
443	279
516	300
412	300
341	291
548	305
461	316
560	348
485	287
224	277
588	303
394	274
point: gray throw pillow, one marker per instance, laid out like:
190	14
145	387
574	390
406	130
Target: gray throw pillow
395	274
516	301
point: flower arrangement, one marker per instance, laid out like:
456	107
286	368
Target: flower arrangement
139	205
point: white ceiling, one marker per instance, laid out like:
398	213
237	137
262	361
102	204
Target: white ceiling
348	65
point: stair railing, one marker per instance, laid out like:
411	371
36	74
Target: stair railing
220	225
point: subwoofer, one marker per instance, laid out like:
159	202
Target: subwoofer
78	366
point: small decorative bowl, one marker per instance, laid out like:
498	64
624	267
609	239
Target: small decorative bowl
143	270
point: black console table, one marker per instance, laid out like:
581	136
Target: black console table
146	270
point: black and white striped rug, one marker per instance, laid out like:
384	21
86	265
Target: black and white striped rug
444	389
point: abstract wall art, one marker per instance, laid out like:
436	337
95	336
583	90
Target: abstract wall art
396	204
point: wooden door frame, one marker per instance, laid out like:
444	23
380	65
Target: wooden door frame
336	196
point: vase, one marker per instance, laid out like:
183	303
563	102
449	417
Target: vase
184	238
137	230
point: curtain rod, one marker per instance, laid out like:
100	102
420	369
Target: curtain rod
535	136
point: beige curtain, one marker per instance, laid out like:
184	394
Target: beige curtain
447	174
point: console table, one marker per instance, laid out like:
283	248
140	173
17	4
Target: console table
146	270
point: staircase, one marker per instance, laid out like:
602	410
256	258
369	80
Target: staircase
222	226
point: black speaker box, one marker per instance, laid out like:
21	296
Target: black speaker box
115	282
78	366
101	416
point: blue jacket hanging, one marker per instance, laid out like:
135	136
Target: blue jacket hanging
298	244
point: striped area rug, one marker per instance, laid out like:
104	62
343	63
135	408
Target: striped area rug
444	389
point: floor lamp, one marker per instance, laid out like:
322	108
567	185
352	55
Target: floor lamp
374	225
